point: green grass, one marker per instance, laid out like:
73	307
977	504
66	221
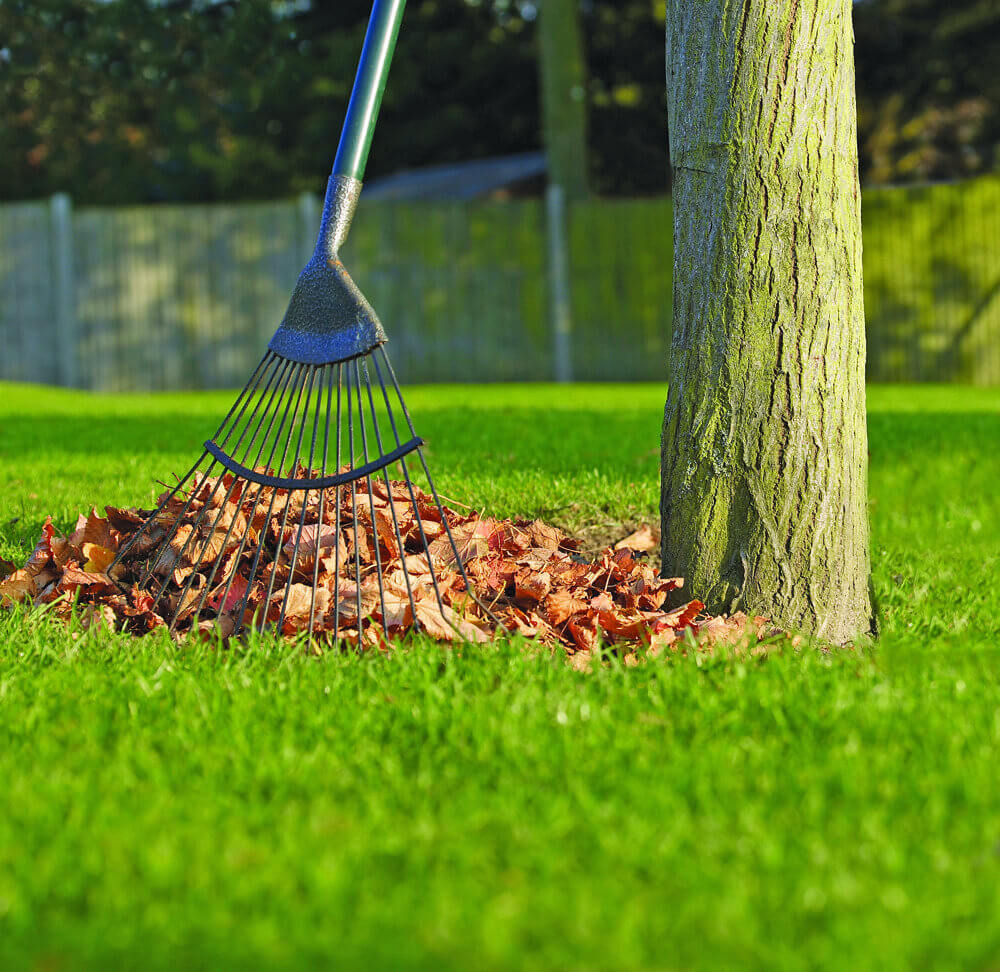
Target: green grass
162	807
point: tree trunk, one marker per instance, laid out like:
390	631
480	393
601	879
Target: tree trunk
764	449
564	94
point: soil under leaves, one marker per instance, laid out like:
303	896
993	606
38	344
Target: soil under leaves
237	566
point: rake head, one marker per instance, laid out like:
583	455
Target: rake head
301	513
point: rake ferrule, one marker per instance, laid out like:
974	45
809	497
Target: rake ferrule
328	318
339	206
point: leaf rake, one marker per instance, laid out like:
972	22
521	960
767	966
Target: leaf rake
297	474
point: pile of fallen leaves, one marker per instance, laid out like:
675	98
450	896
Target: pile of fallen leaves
237	560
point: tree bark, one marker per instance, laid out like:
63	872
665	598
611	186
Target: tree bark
764	448
564	94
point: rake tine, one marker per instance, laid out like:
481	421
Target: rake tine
305	501
201	556
282	375
409	486
399	393
215	566
454	546
134	539
146	568
225	541
238	620
274	495
288	502
354	510
256	499
430	481
423	540
371	495
305	497
180	518
187	542
154	557
178	522
328	374
224	504
336	573
253	438
392	503
248	390
413	498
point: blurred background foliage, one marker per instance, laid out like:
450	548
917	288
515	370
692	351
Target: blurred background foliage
928	88
119	101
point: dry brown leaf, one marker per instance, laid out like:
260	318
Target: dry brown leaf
344	600
583	632
660	640
18	586
643	539
299	606
562	605
476	538
614	624
446	624
122	520
93	529
228	595
73	577
41	556
545	536
680	618
97	558
532	587
313	537
398	613
602	602
97	616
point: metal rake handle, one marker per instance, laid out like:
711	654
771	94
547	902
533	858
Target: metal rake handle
328	318
369	86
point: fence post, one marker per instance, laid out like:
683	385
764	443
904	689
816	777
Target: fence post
64	288
560	312
308	225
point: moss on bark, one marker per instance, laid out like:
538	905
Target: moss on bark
764	448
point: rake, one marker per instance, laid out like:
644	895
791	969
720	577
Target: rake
297	474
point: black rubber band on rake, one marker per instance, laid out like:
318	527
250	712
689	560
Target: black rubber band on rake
326	481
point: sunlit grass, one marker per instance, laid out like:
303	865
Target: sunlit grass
167	807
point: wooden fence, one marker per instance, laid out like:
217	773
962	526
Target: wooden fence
161	297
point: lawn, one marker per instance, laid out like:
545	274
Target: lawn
494	809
